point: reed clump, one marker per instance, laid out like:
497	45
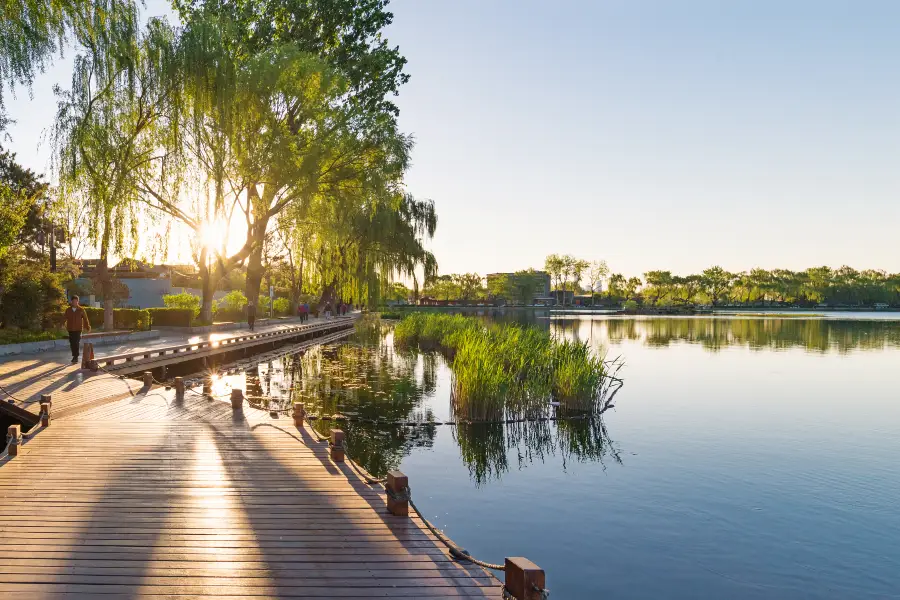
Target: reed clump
505	370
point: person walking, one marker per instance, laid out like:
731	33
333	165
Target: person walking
76	322
251	315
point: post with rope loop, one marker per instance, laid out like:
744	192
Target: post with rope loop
45	414
179	387
397	488
87	355
13	439
207	387
299	414
148	379
47	399
237	400
337	445
524	579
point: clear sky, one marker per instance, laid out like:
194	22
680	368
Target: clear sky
652	134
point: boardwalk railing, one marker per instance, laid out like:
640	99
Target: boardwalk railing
139	360
523	580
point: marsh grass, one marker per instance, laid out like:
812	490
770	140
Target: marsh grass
503	371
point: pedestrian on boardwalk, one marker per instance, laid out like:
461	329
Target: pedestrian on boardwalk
251	315
304	312
76	322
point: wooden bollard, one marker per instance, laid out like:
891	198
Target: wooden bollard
87	355
397	487
237	400
14	436
299	413
337	445
47	399
524	579
45	414
207	386
179	387
148	378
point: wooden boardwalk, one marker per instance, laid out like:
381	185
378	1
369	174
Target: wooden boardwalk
73	388
150	496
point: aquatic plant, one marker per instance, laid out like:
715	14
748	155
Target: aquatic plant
503	371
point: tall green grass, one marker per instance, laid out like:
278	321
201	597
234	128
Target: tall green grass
508	371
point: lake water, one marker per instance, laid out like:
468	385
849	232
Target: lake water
746	457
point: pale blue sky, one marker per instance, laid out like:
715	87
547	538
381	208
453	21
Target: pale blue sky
654	134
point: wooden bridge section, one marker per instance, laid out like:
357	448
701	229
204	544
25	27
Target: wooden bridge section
160	497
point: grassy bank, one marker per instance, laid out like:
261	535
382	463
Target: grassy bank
507	371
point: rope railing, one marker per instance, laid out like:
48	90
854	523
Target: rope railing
524	581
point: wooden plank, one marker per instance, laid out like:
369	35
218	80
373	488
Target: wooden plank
208	508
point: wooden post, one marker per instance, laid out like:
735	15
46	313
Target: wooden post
397	494
207	386
87	355
45	414
179	387
47	399
299	413
162	376
237	400
14	434
522	577
148	378
337	445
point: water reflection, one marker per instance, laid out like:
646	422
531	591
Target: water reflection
815	335
389	403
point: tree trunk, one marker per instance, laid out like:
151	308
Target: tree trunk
206	288
106	287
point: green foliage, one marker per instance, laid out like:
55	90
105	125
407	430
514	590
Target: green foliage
183	300
33	297
20	336
630	305
133	319
231	306
172	317
282	307
501	369
13	210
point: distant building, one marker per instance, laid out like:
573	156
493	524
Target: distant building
146	283
563	297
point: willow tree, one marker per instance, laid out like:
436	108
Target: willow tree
347	37
105	133
31	31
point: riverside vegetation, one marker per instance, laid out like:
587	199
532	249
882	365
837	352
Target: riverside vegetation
505	371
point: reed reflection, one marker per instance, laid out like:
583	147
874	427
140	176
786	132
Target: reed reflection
389	403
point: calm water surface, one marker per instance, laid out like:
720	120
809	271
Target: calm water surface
745	458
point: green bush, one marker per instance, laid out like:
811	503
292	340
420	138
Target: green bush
18	336
135	319
33	298
282	307
183	300
171	317
231	306
630	305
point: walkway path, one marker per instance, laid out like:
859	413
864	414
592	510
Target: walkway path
26	377
156	497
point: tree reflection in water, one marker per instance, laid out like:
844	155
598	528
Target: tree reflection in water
716	333
389	399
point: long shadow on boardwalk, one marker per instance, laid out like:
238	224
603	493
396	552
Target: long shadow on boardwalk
337	544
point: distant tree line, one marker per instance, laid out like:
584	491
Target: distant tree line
712	287
717	287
